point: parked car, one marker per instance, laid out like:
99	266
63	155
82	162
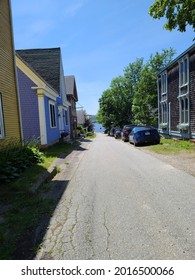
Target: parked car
112	130
144	135
117	133
126	130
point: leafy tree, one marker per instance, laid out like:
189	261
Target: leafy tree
133	96
145	100
116	102
132	74
179	13
104	115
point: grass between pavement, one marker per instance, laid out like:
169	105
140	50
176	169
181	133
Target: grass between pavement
172	146
21	209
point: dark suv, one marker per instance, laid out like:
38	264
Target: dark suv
126	130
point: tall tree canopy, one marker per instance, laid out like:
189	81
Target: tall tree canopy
116	102
145	101
179	13
132	98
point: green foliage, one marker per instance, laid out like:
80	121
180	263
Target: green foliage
145	101
15	157
89	133
81	130
178	13
132	98
116	102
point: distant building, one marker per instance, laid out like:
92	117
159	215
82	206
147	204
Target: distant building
72	96
81	116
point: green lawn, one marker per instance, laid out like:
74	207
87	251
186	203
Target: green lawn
21	209
171	146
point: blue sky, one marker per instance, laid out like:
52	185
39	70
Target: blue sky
98	38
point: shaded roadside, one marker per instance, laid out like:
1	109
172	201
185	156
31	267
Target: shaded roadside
25	211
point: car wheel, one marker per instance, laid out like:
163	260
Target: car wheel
135	144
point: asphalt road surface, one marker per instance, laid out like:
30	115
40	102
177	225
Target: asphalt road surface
122	203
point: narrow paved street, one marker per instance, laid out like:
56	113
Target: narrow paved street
122	203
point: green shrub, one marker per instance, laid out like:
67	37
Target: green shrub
81	130
90	133
15	157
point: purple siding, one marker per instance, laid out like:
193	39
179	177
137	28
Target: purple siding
29	107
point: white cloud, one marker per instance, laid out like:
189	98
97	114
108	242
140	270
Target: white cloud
40	26
72	9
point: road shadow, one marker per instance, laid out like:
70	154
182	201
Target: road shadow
85	140
26	210
30	241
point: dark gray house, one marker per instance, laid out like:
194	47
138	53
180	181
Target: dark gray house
72	97
176	96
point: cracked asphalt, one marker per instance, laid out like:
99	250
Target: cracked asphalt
121	203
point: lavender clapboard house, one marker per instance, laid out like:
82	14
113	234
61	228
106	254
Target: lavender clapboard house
42	94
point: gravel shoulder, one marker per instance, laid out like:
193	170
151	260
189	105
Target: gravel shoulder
181	161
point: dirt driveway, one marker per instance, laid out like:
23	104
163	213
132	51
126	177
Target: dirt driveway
182	161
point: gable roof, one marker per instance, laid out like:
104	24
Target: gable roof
33	75
189	50
46	62
71	88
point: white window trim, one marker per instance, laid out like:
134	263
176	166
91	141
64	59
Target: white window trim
183	96
163	92
164	113
2	132
184	111
53	104
186	57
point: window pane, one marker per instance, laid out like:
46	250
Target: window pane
185	71
186	110
186	104
1	120
181	73
52	115
182	104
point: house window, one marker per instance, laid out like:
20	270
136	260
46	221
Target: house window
164	112
164	82
184	108
184	90
1	120
163	92
52	112
164	86
183	71
66	117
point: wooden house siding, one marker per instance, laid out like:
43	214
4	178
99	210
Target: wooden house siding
192	92
8	87
180	96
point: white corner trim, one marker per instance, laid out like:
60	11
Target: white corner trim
42	119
